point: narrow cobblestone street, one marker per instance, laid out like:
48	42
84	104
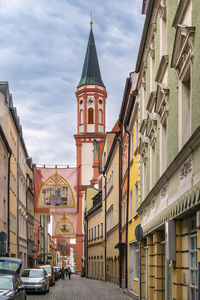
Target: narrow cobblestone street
81	289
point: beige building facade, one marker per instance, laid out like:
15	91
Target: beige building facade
111	199
96	239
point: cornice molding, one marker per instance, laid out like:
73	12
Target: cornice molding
183	46
183	204
162	68
151	102
161	105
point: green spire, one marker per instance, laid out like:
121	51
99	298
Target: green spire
91	72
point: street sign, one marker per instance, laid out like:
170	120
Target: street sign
138	232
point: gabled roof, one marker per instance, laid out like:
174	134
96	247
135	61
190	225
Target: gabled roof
91	72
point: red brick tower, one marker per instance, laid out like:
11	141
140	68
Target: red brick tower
91	105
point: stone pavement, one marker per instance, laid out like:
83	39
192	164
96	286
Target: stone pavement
81	289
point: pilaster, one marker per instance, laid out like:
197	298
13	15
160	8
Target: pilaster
150	267
158	266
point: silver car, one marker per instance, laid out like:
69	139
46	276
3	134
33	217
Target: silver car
35	280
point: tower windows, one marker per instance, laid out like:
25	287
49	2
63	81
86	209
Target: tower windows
100	116
81	117
90	116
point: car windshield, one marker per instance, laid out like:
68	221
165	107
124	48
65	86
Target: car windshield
6	283
7	266
48	270
33	273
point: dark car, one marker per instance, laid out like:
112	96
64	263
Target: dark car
56	271
11	286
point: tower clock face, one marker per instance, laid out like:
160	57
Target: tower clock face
90	100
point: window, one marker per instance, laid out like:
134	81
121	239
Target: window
163	33
98	231
144	180
131	150
88	235
152	166
95	232
130	204
136	198
193	267
152	68
136	133
100	116
136	261
90	116
101	229
184	108
81	116
163	147
109	218
192	259
91	234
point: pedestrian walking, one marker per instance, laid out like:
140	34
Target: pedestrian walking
66	271
69	272
62	273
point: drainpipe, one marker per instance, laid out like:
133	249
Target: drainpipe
86	246
127	208
120	215
18	197
8	218
105	250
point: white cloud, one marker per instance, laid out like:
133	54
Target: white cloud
43	45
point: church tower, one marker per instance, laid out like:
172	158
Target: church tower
91	108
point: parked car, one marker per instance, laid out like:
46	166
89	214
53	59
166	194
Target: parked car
56	271
35	280
59	271
11	286
50	272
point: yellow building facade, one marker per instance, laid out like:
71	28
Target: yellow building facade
133	218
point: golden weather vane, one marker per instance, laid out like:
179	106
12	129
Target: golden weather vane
91	21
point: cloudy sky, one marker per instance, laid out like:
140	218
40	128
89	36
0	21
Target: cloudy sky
43	45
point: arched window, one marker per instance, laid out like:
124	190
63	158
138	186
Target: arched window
100	116
81	116
90	116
